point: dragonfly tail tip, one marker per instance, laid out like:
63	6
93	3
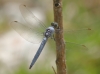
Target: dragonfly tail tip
30	67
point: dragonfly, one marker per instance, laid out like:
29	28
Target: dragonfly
48	32
36	28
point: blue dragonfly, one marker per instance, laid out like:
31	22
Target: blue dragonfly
37	29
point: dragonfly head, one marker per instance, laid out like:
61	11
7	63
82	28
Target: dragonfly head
54	24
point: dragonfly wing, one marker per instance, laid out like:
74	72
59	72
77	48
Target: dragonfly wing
75	47
27	32
77	36
76	54
74	39
31	19
76	50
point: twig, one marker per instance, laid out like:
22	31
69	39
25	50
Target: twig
54	70
60	45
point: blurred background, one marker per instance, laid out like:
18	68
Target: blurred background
82	45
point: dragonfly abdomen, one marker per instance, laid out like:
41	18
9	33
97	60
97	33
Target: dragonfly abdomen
38	51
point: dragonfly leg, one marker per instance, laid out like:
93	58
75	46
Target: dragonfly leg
52	37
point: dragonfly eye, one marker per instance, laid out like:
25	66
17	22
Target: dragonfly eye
54	24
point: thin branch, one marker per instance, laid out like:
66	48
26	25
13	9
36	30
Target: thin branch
54	70
60	45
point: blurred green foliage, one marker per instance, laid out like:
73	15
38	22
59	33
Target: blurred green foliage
86	15
77	15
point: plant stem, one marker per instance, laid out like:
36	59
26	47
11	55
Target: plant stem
60	45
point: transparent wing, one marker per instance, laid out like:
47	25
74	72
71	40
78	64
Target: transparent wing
27	32
74	41
76	53
77	36
75	47
31	19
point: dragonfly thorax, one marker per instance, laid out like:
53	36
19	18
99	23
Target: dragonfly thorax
49	32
